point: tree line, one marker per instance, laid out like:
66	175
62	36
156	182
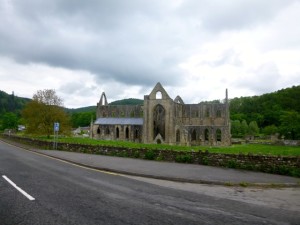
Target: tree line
277	112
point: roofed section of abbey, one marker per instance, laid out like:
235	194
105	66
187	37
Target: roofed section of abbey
164	120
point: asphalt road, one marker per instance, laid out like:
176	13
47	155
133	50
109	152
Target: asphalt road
67	194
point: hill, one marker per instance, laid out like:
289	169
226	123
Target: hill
267	108
12	103
82	109
128	101
277	112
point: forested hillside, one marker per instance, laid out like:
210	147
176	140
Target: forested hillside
11	103
128	101
273	112
82	109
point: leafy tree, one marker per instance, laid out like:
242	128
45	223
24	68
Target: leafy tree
253	128
43	111
272	129
235	127
82	119
238	116
290	125
9	121
244	127
266	109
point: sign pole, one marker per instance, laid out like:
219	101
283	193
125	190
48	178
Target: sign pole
56	129
54	138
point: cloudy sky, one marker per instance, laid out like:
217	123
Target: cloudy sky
195	48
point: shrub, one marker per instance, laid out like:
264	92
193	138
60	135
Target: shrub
183	158
205	160
231	164
136	154
150	155
159	158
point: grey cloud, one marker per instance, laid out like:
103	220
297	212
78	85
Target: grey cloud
108	38
134	42
229	56
265	79
76	89
219	15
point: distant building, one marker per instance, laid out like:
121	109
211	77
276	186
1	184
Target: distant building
84	131
21	127
163	120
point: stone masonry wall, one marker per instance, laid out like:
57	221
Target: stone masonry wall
271	164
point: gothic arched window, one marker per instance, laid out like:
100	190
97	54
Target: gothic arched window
159	114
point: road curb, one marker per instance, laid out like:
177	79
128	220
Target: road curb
174	179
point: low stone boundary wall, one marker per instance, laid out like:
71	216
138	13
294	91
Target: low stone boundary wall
288	142
285	165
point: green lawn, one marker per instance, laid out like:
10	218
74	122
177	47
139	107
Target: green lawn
255	149
263	149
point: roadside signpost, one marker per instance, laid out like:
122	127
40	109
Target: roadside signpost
55	136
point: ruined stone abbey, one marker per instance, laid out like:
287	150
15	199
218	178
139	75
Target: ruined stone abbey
164	120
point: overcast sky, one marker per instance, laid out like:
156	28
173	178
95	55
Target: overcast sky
195	48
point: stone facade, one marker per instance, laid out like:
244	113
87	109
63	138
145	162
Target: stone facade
164	120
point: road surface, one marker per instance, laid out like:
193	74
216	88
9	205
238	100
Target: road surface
36	189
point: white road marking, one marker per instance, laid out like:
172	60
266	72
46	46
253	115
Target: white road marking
18	188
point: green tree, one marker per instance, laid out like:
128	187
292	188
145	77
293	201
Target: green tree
9	121
290	125
43	111
253	128
244	127
235	128
268	130
82	119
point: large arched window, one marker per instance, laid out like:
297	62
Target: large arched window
159	121
103	99
158	95
98	130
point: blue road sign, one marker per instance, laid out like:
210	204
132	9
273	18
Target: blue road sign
56	127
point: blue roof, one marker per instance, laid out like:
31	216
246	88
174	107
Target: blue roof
119	121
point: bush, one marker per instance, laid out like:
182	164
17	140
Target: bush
231	164
150	155
205	160
183	158
136	154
